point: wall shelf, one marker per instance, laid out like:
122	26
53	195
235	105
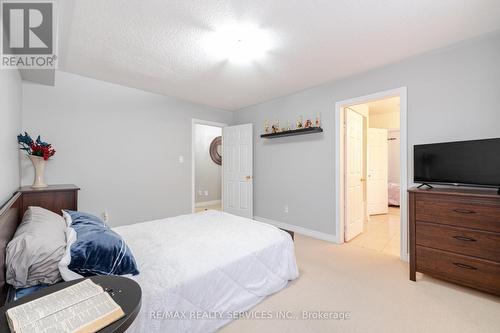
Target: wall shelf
299	131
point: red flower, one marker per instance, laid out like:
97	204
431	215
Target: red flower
43	151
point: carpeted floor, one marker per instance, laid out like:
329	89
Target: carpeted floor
212	207
375	289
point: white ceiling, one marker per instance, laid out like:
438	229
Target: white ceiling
388	105
160	45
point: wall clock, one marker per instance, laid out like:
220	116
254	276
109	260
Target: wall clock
216	150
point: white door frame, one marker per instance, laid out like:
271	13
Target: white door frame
339	184
193	190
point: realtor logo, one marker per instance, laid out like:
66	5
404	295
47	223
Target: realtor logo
28	35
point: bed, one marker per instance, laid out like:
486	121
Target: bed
198	271
394	194
214	264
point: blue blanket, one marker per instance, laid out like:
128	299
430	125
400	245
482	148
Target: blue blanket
98	250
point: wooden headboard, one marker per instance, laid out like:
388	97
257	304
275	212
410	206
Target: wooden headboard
10	218
54	198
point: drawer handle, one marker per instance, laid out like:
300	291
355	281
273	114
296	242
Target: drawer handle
465	239
464	211
464	266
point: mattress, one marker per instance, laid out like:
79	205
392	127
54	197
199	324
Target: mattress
199	271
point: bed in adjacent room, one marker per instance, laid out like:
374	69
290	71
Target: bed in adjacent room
197	271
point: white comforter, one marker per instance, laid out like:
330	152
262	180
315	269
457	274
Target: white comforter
197	270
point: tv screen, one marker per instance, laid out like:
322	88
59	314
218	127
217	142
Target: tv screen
460	163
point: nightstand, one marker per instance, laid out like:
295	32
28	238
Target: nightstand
54	197
124	291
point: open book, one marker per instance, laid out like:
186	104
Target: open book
81	308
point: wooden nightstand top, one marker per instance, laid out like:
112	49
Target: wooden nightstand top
50	188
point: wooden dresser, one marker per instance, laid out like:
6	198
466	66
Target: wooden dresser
54	197
455	236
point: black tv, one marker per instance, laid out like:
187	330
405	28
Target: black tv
468	163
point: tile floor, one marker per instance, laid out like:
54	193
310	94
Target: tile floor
381	233
213	207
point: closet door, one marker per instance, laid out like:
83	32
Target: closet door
378	171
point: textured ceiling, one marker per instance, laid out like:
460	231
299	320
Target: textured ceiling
161	46
388	105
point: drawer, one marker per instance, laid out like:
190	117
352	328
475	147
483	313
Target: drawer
469	242
476	273
477	213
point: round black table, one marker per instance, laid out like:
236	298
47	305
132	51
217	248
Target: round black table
126	292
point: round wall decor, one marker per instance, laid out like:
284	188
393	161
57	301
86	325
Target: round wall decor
216	150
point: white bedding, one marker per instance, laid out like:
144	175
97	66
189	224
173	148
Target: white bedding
206	264
394	194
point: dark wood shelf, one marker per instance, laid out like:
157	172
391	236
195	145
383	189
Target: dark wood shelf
292	132
50	188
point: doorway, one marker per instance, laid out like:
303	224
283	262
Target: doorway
226	156
371	161
206	165
377	227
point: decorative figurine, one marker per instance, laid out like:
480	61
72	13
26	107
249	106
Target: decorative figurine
308	123
318	120
267	129
276	127
288	126
299	122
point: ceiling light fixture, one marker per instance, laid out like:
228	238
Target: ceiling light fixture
239	43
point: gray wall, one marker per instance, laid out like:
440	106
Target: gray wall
120	145
453	94
208	175
10	126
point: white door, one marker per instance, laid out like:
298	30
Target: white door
237	163
354	208
378	170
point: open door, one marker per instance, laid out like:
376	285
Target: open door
354	205
378	172
237	163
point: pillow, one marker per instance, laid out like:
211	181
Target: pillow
34	253
94	249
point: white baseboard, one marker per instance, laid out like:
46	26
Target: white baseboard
208	203
300	230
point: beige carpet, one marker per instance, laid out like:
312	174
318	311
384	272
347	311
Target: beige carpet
211	207
376	290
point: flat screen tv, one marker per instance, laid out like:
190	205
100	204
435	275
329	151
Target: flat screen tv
470	163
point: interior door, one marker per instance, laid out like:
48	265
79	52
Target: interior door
237	163
354	206
378	171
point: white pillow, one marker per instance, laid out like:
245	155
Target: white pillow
38	245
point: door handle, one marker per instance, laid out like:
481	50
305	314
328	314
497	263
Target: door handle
248	177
